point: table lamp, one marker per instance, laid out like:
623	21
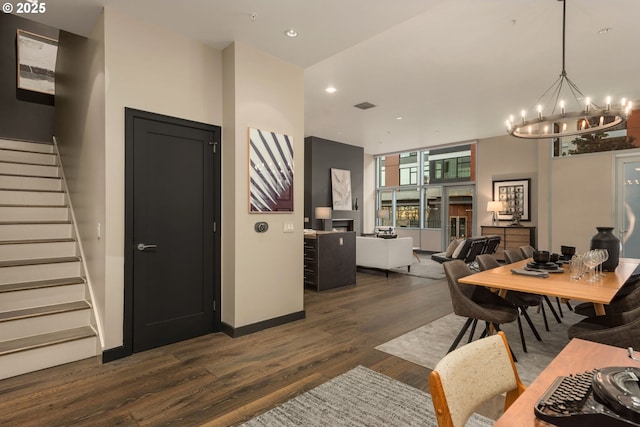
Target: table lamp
495	207
324	213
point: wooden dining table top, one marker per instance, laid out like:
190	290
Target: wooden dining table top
556	284
577	357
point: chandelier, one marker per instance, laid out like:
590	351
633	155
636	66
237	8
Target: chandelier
590	118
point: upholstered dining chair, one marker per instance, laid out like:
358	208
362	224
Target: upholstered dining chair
475	302
616	329
527	251
521	300
627	298
515	255
470	376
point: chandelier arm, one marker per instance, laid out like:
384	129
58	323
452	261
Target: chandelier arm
574	89
553	86
557	92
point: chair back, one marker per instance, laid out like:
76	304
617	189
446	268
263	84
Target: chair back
512	255
477	246
487	262
492	245
471	375
460	293
527	251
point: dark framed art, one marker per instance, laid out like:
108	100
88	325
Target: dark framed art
270	172
515	197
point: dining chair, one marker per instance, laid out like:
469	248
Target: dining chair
470	376
522	300
627	298
616	329
514	255
475	303
527	251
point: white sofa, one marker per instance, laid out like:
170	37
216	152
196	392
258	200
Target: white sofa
374	252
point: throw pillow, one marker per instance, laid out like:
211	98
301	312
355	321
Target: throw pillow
456	253
452	247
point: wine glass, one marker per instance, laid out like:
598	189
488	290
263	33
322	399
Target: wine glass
590	261
605	256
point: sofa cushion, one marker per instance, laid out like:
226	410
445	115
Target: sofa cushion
459	248
451	248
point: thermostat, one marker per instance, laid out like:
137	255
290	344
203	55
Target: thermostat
261	227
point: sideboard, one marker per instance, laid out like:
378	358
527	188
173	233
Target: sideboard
510	237
329	259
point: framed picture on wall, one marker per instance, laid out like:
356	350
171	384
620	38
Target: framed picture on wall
270	172
515	197
36	62
341	189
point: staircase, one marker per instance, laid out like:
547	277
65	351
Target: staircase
45	316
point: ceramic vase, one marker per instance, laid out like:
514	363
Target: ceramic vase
605	239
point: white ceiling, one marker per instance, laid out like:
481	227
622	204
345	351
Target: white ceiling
452	69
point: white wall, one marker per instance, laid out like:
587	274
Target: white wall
80	133
262	274
151	69
369	194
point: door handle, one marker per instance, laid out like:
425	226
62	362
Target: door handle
143	247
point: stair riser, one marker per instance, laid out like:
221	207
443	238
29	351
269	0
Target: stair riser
35	231
10	213
23	157
12	252
31	198
18	300
30	170
26	146
43	324
22	362
30	183
32	273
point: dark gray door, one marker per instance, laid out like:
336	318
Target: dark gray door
173	190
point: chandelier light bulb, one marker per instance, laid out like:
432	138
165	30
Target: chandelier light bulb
608	103
564	127
601	120
562	107
546	129
540	111
587	104
523	114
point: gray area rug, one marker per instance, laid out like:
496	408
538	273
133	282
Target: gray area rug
427	268
426	345
359	398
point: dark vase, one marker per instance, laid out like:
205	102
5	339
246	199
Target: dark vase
605	239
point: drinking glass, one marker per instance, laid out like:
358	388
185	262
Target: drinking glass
576	267
590	260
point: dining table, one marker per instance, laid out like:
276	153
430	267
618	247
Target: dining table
558	283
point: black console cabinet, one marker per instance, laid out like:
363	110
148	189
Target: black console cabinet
330	259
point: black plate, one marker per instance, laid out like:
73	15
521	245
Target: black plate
552	266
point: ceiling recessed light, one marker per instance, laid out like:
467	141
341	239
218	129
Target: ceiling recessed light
291	33
398	118
605	30
331	89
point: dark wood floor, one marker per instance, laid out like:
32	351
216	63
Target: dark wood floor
223	381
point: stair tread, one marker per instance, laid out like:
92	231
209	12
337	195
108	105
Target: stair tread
38	261
25	151
29	163
37	341
23	286
34	206
31	241
29	176
34	222
29	190
43	310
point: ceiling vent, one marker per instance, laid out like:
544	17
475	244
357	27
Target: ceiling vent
364	105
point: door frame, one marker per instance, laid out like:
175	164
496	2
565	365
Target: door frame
620	160
130	116
446	189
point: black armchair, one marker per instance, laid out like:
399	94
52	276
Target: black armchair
617	329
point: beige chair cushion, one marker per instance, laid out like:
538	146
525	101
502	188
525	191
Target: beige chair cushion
456	252
451	248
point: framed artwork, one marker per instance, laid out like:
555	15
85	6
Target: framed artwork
270	172
36	62
515	196
341	189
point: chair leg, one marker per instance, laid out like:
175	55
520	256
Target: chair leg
460	334
473	330
513	355
568	304
531	325
553	310
559	306
544	316
524	344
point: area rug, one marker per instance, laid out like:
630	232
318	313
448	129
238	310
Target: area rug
358	398
427	268
426	345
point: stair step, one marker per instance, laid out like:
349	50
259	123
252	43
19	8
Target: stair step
31	197
9	316
25	182
12	250
32	146
9	155
26	297
39	261
35	230
27	169
34	213
44	340
39	284
38	271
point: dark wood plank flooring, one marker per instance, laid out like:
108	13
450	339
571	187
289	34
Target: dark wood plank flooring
223	381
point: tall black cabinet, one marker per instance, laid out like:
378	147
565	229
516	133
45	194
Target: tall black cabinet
329	259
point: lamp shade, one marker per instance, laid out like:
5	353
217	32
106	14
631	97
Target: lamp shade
383	213
323	212
494	206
